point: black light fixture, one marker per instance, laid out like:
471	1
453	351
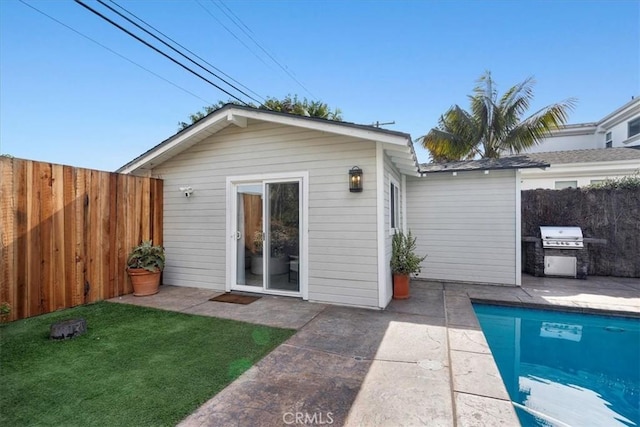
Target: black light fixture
355	180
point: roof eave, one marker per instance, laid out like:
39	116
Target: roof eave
237	115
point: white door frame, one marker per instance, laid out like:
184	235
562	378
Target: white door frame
231	218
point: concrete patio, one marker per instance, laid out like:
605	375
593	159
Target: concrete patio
422	361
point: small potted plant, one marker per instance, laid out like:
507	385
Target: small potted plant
144	265
404	262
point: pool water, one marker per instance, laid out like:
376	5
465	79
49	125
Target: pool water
566	369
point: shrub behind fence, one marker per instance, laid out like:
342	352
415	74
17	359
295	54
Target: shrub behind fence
65	233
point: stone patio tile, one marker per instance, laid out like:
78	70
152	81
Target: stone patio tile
287	381
476	373
353	332
265	311
411	342
169	298
423	301
403	394
431	285
470	340
497	294
460	312
479	411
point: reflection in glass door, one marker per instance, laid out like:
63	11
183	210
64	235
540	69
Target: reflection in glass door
249	268
283	236
268	236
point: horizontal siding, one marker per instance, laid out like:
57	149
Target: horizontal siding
195	228
390	170
466	225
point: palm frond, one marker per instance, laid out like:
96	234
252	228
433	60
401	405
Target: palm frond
537	127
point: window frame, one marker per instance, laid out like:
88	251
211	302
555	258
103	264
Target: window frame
555	184
608	140
394	206
636	123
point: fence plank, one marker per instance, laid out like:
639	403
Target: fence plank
59	262
70	258
33	240
8	266
80	225
66	233
20	192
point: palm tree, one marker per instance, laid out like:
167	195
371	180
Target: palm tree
493	126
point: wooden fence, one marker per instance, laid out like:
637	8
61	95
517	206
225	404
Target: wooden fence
65	233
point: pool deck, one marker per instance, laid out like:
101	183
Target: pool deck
422	361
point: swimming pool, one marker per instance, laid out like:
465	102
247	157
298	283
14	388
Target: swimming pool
566	369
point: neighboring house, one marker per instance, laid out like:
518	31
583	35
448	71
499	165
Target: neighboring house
620	128
242	184
579	168
588	153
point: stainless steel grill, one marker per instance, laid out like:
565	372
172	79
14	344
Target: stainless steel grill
562	237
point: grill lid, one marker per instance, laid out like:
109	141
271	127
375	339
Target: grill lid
562	237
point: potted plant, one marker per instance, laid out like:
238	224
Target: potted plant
404	262
144	265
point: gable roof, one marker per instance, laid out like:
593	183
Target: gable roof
587	155
512	162
398	145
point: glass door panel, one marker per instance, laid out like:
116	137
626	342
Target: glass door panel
249	235
282	236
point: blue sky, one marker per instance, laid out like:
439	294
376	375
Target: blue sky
63	99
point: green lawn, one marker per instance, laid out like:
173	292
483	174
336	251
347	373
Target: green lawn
135	366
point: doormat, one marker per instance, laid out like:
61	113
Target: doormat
235	299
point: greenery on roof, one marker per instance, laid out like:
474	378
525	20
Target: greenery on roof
289	104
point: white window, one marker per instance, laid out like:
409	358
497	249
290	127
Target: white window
560	185
608	141
634	127
597	181
394	205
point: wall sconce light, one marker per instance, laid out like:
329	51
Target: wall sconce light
188	191
355	180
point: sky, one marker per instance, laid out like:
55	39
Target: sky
65	99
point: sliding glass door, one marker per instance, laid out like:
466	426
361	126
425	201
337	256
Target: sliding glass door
267	233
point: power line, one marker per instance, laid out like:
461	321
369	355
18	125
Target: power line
236	16
186	49
175	50
232	33
158	50
284	68
114	52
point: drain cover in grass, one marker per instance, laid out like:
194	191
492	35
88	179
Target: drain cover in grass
235	299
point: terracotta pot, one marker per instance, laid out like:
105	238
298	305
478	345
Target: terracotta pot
144	282
400	286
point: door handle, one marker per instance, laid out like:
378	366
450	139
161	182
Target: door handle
238	235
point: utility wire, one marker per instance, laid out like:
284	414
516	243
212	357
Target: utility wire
185	48
284	68
236	16
89	8
232	33
175	50
114	52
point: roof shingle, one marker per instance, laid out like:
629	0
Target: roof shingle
512	162
586	156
